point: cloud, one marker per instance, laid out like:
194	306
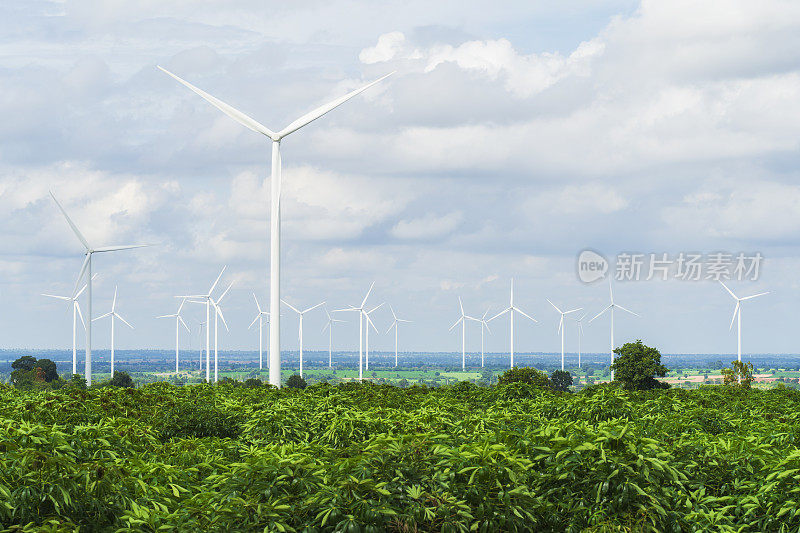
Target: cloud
427	227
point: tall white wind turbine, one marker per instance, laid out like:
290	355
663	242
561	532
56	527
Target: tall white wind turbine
360	310
395	322
329	327
260	319
218	315
511	309
275	217
737	315
484	326
113	314
562	326
86	268
178	323
611	308
463	321
366	333
300	332
76	313
206	299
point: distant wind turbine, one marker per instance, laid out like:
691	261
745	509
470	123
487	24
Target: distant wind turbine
260	319
300	332
178	323
579	324
484	325
562	326
611	308
76	313
463	321
511	309
329	327
275	216
737	315
113	314
360	310
206	299
218	314
86	268
395	322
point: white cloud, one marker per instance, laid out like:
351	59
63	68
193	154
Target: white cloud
427	227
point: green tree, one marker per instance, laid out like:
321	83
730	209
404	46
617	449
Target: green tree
295	381
739	375
253	383
122	379
636	367
49	369
561	380
527	375
25	363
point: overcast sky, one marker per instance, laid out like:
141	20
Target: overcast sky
513	136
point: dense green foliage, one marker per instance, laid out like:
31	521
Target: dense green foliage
636	366
380	458
31	373
296	381
524	374
560	380
738	375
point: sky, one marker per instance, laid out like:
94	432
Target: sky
510	138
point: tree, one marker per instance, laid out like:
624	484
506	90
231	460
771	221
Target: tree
561	380
77	382
49	369
527	375
122	379
636	367
253	383
739	375
26	363
295	381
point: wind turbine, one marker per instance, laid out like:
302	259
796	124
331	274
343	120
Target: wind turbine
360	310
463	321
260	319
579	324
737	315
218	314
369	323
178	322
113	314
275	211
511	309
611	307
484	324
206	298
329	327
76	313
394	325
562	327
87	268
300	333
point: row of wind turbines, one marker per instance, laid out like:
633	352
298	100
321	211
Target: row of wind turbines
273	315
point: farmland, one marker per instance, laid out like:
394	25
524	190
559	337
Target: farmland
382	458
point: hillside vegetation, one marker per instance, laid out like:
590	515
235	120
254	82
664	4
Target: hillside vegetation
380	458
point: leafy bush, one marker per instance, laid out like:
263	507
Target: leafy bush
636	367
296	381
122	379
739	375
528	375
560	380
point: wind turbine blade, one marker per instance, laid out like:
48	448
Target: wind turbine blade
485	313
187	296
180	319
554	305
461	306
326	326
367	296
371	323
101	316
125	321
349	309
254	321
180	307
520	311
403	320
257	305
66	298
375	308
755	295
394	316
72	224
572	310
114	301
323	109
610	291
82	272
222	317
165	316
560	323
501	313
219	300
313	307
394	325
290	306
735	310
214	285
486	324
601	312
235	114
119	247
456	323
627	310
80	315
727	289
